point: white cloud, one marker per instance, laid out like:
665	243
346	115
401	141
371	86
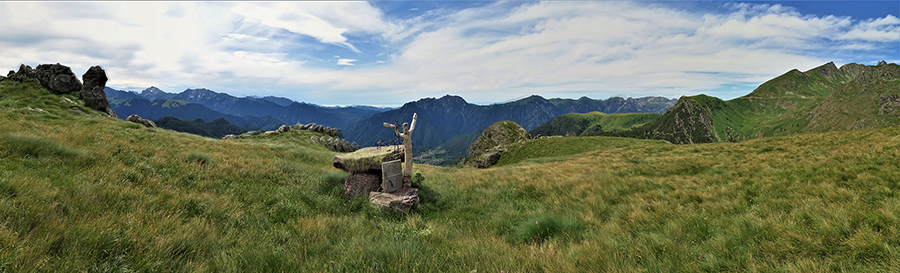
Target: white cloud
885	29
345	61
492	53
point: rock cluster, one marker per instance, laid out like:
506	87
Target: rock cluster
335	144
139	120
365	179
312	127
59	79
494	141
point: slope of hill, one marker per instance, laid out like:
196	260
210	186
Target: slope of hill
217	128
593	123
81	191
822	99
440	120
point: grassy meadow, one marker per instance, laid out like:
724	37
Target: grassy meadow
83	192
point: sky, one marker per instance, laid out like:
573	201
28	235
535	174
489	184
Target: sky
386	53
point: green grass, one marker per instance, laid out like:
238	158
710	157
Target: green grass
143	201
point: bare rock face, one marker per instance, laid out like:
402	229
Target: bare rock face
400	201
284	128
92	90
57	78
360	184
137	119
487	159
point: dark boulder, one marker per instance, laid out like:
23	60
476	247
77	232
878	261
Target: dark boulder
23	73
57	78
92	91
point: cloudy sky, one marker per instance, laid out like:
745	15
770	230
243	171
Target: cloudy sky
390	52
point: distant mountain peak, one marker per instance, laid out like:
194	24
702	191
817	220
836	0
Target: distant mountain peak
449	97
152	90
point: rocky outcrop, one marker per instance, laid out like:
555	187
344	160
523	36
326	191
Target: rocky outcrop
889	104
335	144
494	141
59	79
24	72
92	90
329	131
137	119
284	129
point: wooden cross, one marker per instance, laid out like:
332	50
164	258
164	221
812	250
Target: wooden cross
407	143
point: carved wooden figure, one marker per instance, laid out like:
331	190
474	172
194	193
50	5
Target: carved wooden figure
407	143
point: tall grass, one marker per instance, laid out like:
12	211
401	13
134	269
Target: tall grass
271	203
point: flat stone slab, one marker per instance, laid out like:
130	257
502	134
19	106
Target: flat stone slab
367	159
391	176
400	201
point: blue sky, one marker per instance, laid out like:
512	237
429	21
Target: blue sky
386	53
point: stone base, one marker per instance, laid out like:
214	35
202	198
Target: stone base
360	184
401	201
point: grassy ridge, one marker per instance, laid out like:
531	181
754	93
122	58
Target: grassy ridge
819	100
100	194
593	123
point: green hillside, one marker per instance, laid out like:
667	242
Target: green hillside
217	128
822	99
592	123
84	192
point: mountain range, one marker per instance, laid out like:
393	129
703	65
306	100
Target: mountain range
440	119
825	98
250	113
444	123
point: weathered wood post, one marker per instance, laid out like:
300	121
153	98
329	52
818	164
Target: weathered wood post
407	144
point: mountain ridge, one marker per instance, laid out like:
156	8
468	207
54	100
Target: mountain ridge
825	98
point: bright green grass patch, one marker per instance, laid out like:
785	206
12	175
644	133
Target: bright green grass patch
26	145
557	148
200	157
540	228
